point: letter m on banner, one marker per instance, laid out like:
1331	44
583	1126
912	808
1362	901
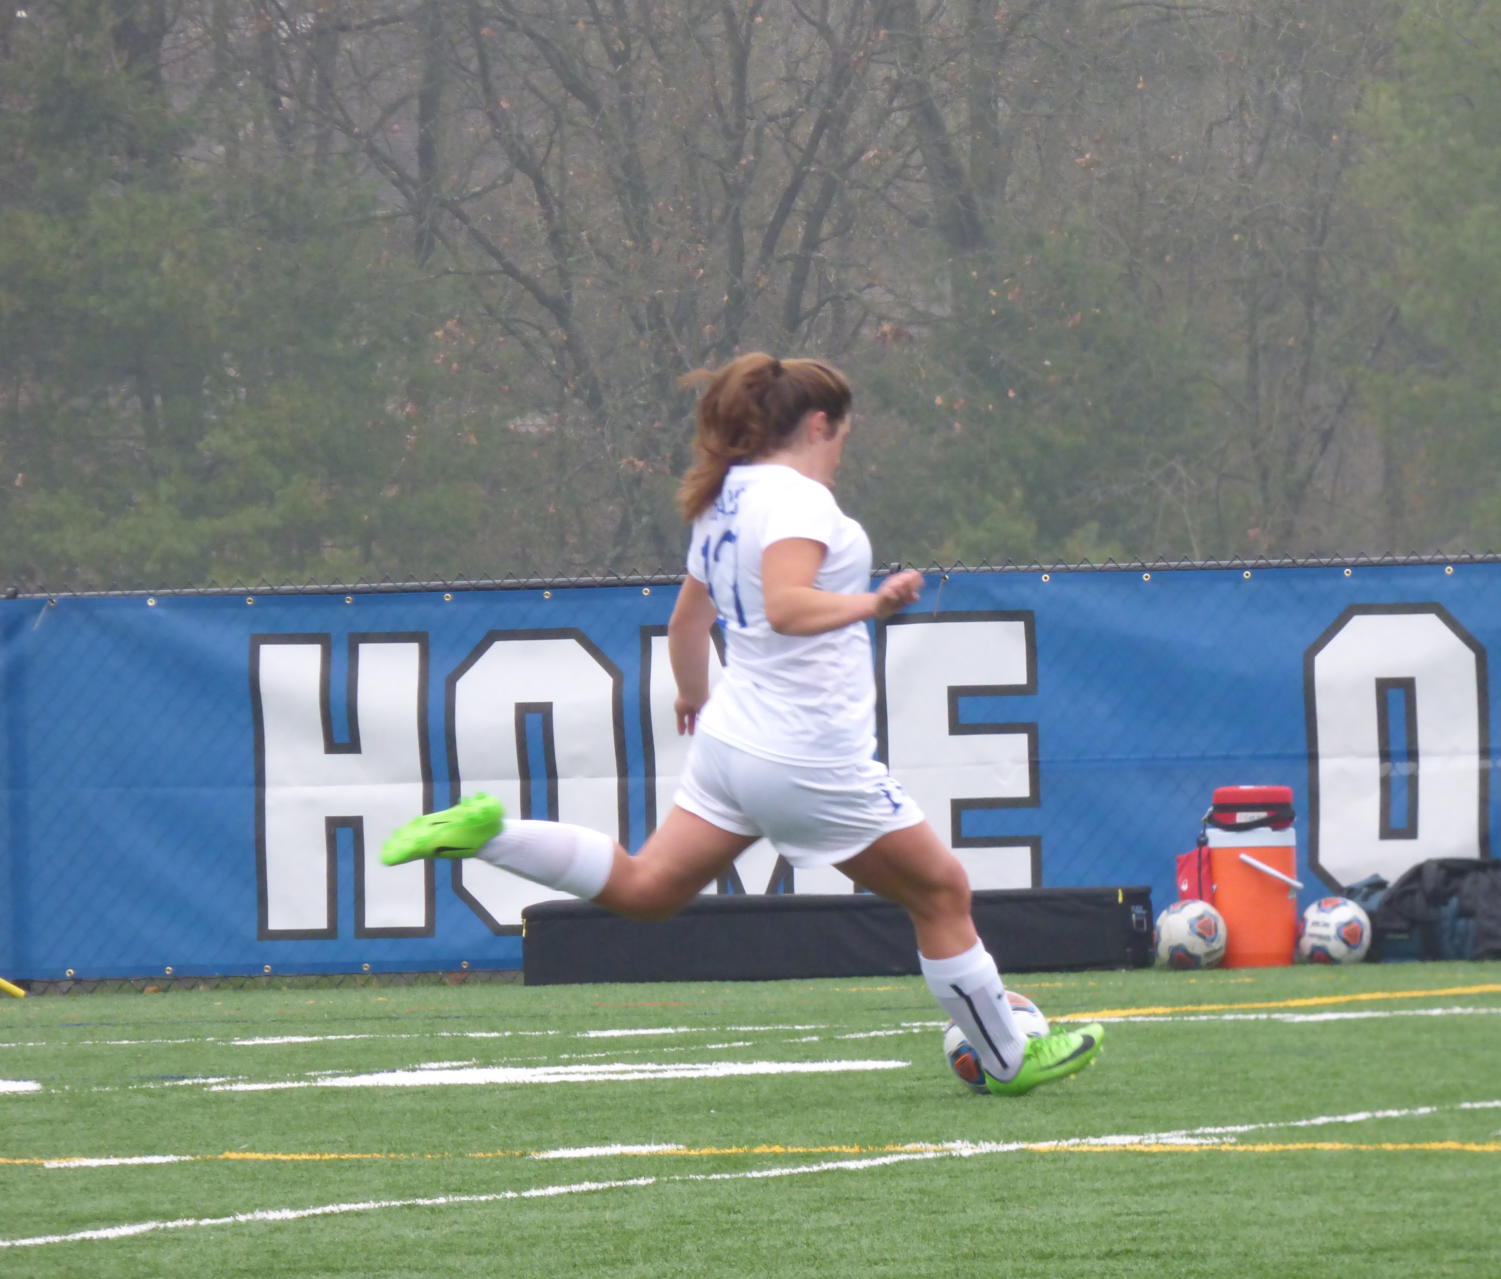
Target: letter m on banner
317	788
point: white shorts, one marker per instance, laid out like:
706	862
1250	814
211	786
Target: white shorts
814	814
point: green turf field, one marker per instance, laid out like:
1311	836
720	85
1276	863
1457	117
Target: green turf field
1273	1122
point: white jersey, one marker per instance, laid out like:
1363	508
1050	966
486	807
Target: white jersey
792	698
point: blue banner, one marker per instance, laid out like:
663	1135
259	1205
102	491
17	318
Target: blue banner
199	784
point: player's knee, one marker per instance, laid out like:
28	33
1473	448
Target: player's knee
948	891
639	894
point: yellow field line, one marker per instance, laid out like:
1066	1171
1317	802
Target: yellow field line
1312	1001
1043	1148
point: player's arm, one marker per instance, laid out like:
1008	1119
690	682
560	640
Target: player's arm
794	606
688	650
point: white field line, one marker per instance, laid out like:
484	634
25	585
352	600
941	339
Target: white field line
583	1063
1195	1136
125	1161
639	1030
905	1028
322	1210
604	1071
263	1041
567	1152
605	1152
17	1087
1362	1015
963	1150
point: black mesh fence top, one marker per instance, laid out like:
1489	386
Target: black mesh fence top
400	584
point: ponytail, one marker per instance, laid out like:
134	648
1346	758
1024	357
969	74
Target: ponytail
750	408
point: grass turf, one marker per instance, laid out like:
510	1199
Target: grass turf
1277	1122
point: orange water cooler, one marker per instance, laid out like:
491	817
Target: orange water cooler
1245	865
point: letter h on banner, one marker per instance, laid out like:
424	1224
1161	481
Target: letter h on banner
309	785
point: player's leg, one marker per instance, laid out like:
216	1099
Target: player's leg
915	869
682	856
856	817
696	842
572	859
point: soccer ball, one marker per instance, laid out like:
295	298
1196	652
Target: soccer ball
1028	1015
1334	930
1189	934
965	1062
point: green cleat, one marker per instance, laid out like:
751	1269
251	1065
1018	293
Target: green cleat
460	831
1050	1057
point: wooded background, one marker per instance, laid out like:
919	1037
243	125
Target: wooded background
346	291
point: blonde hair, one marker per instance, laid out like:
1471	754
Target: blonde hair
750	408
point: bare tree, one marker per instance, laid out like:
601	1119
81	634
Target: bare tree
1098	262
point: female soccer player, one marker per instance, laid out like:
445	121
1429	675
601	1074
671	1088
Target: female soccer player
784	748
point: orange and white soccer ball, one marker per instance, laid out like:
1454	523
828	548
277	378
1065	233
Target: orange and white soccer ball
962	1058
1190	934
1334	930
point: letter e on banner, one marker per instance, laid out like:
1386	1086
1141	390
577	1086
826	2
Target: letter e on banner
948	762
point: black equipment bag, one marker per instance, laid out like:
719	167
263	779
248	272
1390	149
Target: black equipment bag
1443	908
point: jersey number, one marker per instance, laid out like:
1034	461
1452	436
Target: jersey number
722	572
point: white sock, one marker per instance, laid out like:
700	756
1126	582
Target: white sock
970	989
573	859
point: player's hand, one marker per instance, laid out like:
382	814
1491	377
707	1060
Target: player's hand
686	711
898	591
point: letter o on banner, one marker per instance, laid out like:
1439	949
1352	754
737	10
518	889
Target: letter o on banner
536	719
1398	743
